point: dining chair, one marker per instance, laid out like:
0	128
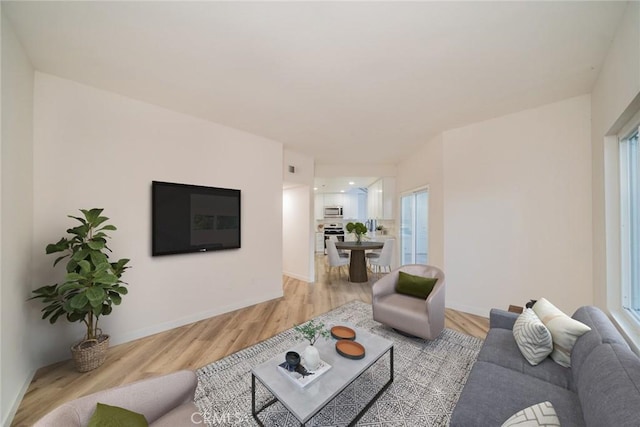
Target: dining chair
343	254
335	260
382	259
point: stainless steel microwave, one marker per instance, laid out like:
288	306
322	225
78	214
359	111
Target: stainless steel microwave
333	211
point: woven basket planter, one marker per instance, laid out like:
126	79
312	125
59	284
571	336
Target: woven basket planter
90	354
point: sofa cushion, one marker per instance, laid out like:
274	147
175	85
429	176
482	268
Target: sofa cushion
532	337
564	330
541	414
500	348
609	386
492	394
415	286
602	331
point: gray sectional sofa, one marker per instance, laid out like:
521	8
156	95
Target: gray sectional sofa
601	389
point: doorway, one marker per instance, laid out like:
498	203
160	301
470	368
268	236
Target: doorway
414	226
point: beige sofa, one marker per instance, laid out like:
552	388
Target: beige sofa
166	400
411	315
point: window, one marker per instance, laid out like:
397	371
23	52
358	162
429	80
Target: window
414	226
630	222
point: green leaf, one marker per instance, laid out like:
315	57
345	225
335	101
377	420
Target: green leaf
96	245
106	309
75	316
85	266
78	218
115	298
108	227
78	301
59	259
60	246
71	266
106	279
92	214
80	255
95	295
99	221
98	258
121	290
73	277
68	286
80	230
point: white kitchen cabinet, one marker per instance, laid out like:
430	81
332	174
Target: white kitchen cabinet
350	206
318	208
388	197
381	199
374	200
334	199
319	242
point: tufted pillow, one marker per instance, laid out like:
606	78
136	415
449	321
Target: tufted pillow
533	338
564	330
538	415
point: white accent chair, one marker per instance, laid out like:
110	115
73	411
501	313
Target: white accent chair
410	315
383	258
335	260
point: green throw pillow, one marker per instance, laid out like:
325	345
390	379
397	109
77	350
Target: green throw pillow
415	286
113	416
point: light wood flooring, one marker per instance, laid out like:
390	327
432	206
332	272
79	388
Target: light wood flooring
198	344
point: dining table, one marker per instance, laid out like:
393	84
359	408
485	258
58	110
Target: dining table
357	263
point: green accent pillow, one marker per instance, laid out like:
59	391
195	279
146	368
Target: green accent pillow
415	286
113	416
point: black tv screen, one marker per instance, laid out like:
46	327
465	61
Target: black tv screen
193	218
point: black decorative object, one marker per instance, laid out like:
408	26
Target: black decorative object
292	361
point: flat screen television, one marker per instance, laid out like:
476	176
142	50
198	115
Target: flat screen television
193	218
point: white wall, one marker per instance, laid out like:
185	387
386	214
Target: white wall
615	99
97	149
616	87
345	169
298	234
517	209
16	367
424	167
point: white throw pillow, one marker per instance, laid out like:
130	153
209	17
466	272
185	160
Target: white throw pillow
533	338
564	330
538	415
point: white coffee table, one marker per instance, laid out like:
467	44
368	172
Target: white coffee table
305	402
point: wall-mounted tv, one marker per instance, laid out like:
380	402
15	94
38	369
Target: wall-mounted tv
193	218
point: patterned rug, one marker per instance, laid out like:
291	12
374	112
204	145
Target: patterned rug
428	378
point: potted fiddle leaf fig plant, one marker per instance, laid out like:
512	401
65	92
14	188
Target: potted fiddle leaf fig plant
91	287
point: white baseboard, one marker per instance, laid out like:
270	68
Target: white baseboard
298	276
478	311
145	332
16	403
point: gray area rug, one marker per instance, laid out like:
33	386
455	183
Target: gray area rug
429	376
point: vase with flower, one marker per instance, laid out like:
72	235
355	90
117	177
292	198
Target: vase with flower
358	229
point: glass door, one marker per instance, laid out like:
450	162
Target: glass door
414	226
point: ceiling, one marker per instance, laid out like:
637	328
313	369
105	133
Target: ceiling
344	82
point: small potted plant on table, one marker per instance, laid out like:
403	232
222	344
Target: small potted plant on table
358	229
312	331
